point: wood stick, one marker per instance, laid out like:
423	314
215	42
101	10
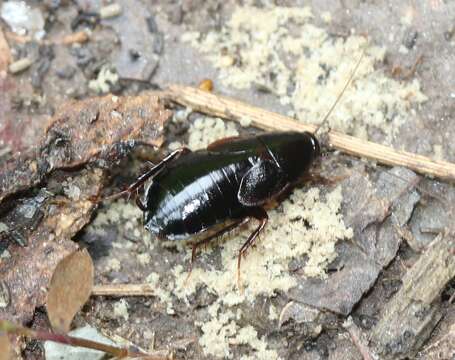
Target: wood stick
228	108
123	290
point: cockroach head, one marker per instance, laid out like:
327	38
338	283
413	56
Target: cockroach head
293	151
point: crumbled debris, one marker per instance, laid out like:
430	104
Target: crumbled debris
121	309
308	70
296	228
206	130
105	80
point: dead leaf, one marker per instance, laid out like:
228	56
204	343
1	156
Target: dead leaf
70	288
5	348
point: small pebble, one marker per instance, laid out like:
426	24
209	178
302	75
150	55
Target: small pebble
20	65
66	72
151	24
410	39
110	11
4	295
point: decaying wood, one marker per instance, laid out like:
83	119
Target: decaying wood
229	108
26	272
99	128
123	290
413	312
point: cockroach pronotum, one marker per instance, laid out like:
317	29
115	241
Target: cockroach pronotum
226	184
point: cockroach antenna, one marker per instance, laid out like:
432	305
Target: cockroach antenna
351	76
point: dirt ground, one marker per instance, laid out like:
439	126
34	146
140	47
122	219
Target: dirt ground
141	49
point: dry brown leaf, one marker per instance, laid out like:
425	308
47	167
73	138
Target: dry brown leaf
5	348
70	288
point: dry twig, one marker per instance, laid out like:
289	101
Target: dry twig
123	290
232	109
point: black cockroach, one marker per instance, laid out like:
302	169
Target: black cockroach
227	183
231	181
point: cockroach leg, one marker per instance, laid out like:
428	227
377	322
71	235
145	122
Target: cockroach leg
139	204
155	170
261	215
205	241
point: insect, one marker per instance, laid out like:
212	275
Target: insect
227	184
230	181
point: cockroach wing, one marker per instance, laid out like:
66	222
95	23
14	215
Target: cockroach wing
264	180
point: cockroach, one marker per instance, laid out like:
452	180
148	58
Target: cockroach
230	181
227	184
